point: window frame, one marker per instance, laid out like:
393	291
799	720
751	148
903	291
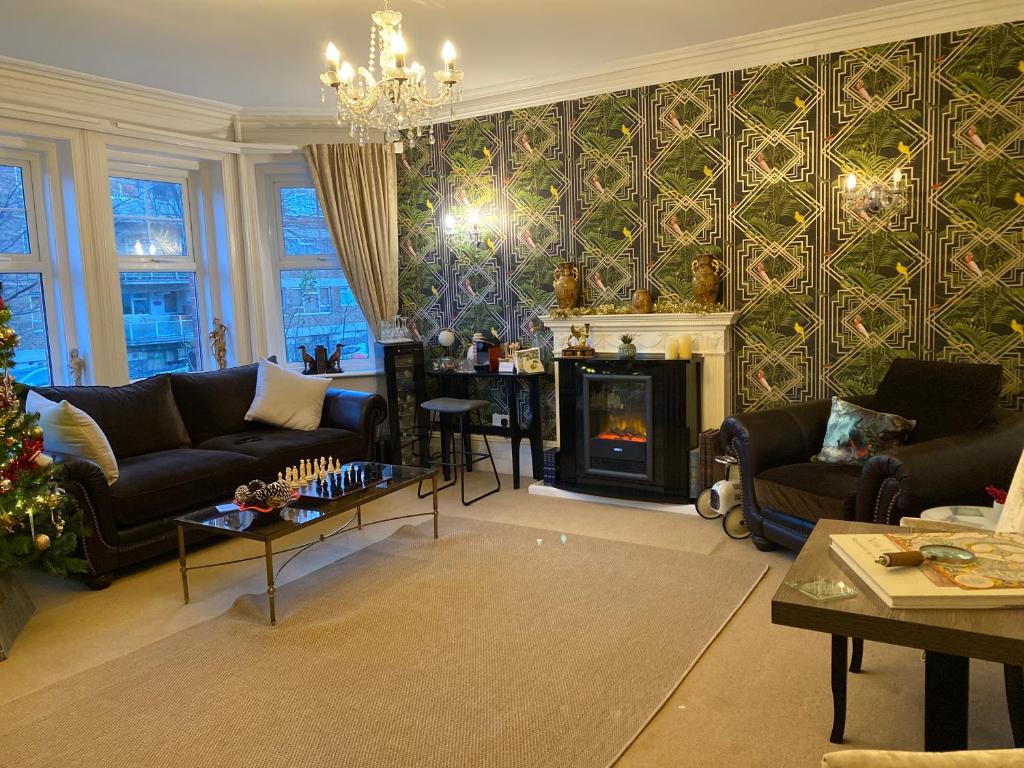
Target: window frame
280	262
191	261
42	253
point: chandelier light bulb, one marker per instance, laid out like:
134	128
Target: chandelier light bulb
333	56
399	49
851	182
346	74
448	54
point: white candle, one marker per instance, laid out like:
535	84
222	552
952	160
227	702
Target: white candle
685	347
672	348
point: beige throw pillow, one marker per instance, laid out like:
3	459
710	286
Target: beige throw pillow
287	399
70	430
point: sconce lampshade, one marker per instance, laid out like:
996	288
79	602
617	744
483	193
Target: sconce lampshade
446	338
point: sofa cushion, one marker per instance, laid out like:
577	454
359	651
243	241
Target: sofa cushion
166	483
280	448
287	399
854	434
137	418
943	398
810	491
214	403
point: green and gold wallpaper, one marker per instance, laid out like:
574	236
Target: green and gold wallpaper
747	166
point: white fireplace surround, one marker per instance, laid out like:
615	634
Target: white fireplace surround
711	335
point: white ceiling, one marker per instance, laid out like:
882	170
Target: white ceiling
268	53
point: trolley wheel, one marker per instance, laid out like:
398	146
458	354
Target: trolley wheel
704	505
734	524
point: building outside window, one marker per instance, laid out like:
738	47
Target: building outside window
317	305
23	245
160	303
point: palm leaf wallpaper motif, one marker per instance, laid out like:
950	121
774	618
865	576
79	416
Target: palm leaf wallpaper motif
747	166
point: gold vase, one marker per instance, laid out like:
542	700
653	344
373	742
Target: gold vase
642	302
707	271
566	284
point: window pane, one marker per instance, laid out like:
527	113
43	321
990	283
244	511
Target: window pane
13	220
161	323
149	217
23	293
302	220
319	308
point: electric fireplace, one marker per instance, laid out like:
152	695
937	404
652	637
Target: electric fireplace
627	426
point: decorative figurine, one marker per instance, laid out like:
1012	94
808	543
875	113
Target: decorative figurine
218	342
334	361
641	303
76	367
706	275
577	345
566	284
308	362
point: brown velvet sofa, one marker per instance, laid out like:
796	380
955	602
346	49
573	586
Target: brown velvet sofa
962	443
182	443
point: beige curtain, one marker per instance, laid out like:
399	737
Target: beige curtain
358	190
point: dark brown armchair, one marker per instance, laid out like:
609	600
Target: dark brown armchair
962	443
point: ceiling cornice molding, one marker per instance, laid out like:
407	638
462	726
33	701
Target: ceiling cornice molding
46	93
903	21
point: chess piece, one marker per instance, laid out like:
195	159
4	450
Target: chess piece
330	466
280	477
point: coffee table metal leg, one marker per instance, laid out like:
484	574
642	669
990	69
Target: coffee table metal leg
182	562
433	492
359	518
271	590
946	682
838	689
856	655
1014	679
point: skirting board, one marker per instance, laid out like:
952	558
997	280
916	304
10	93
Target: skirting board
539	489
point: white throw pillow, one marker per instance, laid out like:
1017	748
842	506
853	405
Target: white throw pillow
287	399
71	430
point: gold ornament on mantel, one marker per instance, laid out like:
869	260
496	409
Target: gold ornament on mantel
707	271
566	283
642	302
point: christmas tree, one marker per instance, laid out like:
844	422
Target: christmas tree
38	521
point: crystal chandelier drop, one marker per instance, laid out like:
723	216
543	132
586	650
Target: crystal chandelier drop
390	94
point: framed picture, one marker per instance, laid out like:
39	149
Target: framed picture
528	360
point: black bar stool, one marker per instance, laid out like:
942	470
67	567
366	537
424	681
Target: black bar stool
441	407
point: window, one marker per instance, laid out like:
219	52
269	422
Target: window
160	278
149	217
23	294
14	236
317	305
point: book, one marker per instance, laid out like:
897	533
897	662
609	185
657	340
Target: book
994	580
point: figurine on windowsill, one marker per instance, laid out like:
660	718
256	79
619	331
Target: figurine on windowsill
334	361
320	364
308	361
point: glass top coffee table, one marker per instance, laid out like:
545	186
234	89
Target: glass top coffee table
304	511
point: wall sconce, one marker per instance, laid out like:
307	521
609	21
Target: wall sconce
468	231
873	199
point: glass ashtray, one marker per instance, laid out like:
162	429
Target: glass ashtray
823	589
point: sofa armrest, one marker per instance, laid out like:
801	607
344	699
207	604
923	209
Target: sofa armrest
905	481
87	485
359	412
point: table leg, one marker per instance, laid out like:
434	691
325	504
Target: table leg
433	492
446	444
838	689
182	562
536	430
271	589
1014	679
515	433
946	680
857	656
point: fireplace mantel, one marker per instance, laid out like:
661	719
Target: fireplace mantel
711	334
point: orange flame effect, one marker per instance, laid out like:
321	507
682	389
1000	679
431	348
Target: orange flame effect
632	430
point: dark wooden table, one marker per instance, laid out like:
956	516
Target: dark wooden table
949	638
457	384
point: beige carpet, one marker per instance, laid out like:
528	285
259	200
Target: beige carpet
497	645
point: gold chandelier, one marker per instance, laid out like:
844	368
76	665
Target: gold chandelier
390	95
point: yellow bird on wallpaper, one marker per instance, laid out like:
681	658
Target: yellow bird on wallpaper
433	290
903	271
708	172
554	192
627	233
626	132
800	104
430	206
1017	328
490	243
1018	198
487	153
1020	65
904	149
799	217
801	331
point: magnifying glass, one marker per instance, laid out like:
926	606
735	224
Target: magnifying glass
937	553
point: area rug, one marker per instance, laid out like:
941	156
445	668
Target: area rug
496	645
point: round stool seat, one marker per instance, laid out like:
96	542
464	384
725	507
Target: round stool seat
454	405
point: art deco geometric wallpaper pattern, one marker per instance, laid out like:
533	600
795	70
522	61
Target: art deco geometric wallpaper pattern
746	166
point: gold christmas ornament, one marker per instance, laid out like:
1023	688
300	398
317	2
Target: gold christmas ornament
36	432
42	542
5	485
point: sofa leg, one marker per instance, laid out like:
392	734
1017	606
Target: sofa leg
98	581
763	544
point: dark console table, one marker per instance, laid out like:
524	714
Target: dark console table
457	384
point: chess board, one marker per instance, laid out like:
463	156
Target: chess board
346	480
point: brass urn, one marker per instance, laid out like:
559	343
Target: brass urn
642	302
566	284
707	272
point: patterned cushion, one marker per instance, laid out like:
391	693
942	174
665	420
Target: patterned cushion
855	434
